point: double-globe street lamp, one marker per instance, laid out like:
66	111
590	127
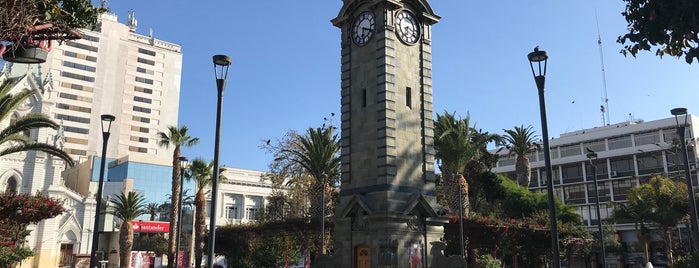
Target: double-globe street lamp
592	155
221	65
539	58
183	165
677	112
107	120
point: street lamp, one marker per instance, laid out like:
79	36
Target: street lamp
107	120
536	58
221	65
323	177
183	164
592	155
690	187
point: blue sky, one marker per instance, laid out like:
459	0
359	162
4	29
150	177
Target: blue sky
286	67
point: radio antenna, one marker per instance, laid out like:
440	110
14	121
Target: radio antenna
604	108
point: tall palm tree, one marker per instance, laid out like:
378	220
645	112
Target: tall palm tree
177	138
454	146
14	138
127	207
201	172
317	153
521	141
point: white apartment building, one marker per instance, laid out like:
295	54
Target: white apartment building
629	154
240	197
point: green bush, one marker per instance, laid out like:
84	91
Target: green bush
488	261
690	261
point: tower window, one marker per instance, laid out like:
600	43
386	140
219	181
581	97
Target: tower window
408	97
11	187
363	97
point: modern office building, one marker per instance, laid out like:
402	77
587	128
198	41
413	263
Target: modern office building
111	70
628	154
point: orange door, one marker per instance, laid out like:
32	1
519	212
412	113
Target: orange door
362	257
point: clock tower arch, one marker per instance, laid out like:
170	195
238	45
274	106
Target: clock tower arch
387	202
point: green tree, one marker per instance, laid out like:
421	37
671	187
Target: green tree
670	25
151	242
201	172
661	201
14	137
454	149
62	17
127	207
520	142
177	138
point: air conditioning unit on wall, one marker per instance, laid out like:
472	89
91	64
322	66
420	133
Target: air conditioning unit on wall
692	167
612	173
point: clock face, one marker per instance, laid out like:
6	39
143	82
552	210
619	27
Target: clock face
363	28
407	27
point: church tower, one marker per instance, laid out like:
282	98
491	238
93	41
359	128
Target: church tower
386	214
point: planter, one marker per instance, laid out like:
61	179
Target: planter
25	53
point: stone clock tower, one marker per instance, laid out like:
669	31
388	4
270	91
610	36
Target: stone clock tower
386	215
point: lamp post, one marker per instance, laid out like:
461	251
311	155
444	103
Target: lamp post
537	58
592	155
323	177
690	187
183	164
107	120
221	65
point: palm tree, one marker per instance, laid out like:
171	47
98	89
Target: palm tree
15	138
175	137
317	154
521	141
201	172
126	208
454	146
152	209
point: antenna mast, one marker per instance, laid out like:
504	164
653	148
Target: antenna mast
604	108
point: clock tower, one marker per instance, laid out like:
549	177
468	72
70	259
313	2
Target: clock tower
387	210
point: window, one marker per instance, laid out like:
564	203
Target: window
250	213
142	99
78	76
91	38
75	97
232	212
143	90
75	151
619	142
621	187
73	108
77	87
79	66
570	150
140	119
76	141
138	149
146	51
409	97
146	61
139	129
646	138
144	70
80	56
76	130
144	80
622	166
11	187
139	139
602	190
649	164
596	146
81	46
574	194
141	109
572	173
72	118
363	97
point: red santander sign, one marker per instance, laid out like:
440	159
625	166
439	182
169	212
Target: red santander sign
151	226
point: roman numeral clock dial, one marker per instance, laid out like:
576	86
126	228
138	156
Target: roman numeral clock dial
363	28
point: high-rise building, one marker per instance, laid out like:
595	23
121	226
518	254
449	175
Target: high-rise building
628	154
111	70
